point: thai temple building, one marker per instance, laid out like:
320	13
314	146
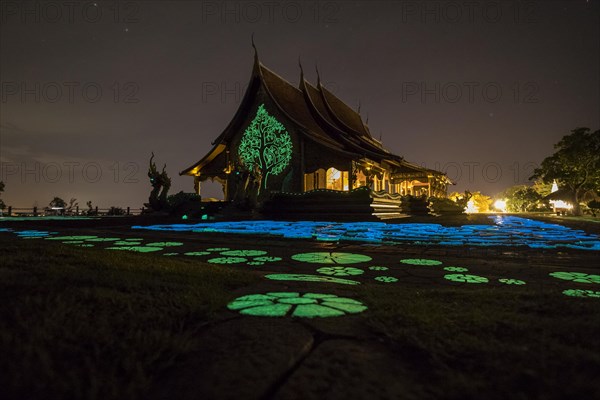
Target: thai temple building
290	142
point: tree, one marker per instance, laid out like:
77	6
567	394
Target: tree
266	147
2	205
57	202
461	199
481	202
522	198
72	206
90	210
575	165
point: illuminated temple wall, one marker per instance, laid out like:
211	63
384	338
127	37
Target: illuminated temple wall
311	165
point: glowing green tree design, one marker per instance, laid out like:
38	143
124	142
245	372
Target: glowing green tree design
265	144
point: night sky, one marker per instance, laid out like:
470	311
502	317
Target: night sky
481	90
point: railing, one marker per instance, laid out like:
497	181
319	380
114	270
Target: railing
76	211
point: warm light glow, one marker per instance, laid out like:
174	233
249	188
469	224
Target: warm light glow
471	207
500	205
561	204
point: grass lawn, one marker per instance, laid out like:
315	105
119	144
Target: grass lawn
94	324
492	342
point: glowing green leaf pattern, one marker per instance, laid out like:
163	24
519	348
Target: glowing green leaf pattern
244	253
138	249
466	278
579	277
340	271
309	305
266	144
310	278
197	253
164	244
581	293
331	258
508	281
455	269
101	239
218	249
227	260
378	268
267	259
386	279
62	238
420	261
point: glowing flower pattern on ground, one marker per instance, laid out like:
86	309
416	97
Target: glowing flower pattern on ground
331	258
509	281
386	279
310	278
420	261
456	269
227	260
466	278
340	271
309	305
378	268
244	253
579	277
581	293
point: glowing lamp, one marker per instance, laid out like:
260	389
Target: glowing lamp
500	205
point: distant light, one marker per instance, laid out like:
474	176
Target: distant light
500	205
471	208
561	204
184	217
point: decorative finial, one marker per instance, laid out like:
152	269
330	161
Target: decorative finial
254	46
318	76
301	70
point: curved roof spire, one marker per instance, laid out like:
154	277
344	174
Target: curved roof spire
254	47
318	75
301	70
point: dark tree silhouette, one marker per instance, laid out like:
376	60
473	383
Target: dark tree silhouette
2	205
575	165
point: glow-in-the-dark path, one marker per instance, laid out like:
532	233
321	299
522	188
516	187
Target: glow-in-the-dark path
506	231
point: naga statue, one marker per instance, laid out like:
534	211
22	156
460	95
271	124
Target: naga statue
161	183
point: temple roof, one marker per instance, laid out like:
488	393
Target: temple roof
320	116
